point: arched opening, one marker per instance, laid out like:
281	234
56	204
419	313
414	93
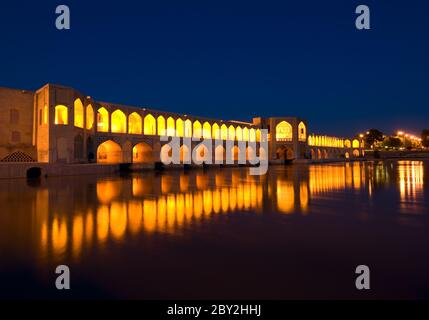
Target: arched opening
149	125
215	131
219	154
119	122
185	155
102	120
180	130
347	155
142	153
188	128
245	134
134	123
347	143
161	126
252	135
258	135
90	149
235	153
302	132
224	132
325	154
355	143
284	131
89	117
312	153
263	154
231	133
109	152
207	130
239	133
356	153
61	115
78	113
319	154
171	128
197	129
78	147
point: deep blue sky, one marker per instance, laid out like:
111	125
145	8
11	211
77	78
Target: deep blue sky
231	59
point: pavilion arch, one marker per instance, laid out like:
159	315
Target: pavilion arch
188	128
355	144
78	113
149	125
258	135
284	131
171	127
252	135
197	129
180	129
142	153
185	155
61	115
356	153
134	123
223	132
239	133
89	117
109	152
220	155
302	132
119	122
102	120
166	153
245	134
284	153
347	143
207	130
231	133
160	122
215	131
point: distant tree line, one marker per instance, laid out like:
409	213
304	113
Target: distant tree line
376	139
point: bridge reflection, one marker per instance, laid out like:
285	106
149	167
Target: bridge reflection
69	219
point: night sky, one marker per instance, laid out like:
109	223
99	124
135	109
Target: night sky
231	59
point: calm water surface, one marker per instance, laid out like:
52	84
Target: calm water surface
297	232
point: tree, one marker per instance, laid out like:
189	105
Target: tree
373	136
392	142
425	137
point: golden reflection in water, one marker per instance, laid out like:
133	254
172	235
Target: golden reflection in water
285	196
410	176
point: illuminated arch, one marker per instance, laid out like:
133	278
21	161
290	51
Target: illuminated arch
355	144
231	133
109	152
142	153
78	113
284	131
302	132
149	127
239	133
166	153
185	155
347	143
356	153
258	135
250	154
161	126
197	129
180	130
216	131
223	132
119	122
89	117
252	135
202	153
245	134
134	123
207	130
61	115
310	140
347	155
102	120
188	128
171	127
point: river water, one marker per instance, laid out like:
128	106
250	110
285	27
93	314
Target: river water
297	232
